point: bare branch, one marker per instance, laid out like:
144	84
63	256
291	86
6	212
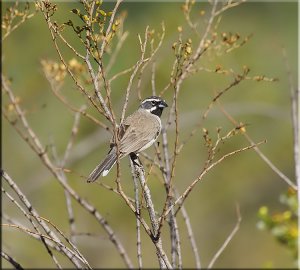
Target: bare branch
191	235
74	132
138	213
59	175
163	260
180	200
11	260
228	239
34	213
34	226
116	51
11	15
294	95
137	66
112	17
259	152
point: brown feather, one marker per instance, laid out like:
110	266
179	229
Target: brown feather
146	127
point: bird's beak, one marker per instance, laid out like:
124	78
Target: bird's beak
163	104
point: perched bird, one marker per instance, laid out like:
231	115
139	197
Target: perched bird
136	133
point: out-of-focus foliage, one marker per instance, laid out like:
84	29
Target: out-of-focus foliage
282	225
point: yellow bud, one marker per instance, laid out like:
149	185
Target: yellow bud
10	107
73	62
202	12
188	50
86	18
243	129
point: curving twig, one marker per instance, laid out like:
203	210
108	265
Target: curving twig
228	239
180	200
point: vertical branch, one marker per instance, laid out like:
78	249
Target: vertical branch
149	59
191	236
175	241
174	232
180	75
74	131
166	152
104	43
168	181
151	211
156	239
113	58
153	78
137	66
62	164
138	214
108	112
294	94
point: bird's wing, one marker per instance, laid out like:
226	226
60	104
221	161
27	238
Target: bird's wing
141	129
121	131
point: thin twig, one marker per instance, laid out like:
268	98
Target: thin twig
294	96
259	152
59	243
94	77
74	132
68	241
191	235
230	4
37	147
138	213
113	58
69	45
55	90
112	17
149	59
24	19
137	66
180	200
238	79
53	32
11	260
36	237
162	258
228	239
34	226
35	214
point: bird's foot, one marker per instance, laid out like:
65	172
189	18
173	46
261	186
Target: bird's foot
137	164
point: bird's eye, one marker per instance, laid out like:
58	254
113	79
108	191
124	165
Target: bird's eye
153	103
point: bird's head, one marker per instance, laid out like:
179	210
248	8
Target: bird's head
154	105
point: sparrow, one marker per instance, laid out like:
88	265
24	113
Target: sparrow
136	133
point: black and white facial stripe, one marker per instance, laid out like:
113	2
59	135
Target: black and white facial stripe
154	104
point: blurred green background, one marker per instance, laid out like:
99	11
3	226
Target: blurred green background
244	179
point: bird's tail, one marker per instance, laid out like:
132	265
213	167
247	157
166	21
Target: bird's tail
104	167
